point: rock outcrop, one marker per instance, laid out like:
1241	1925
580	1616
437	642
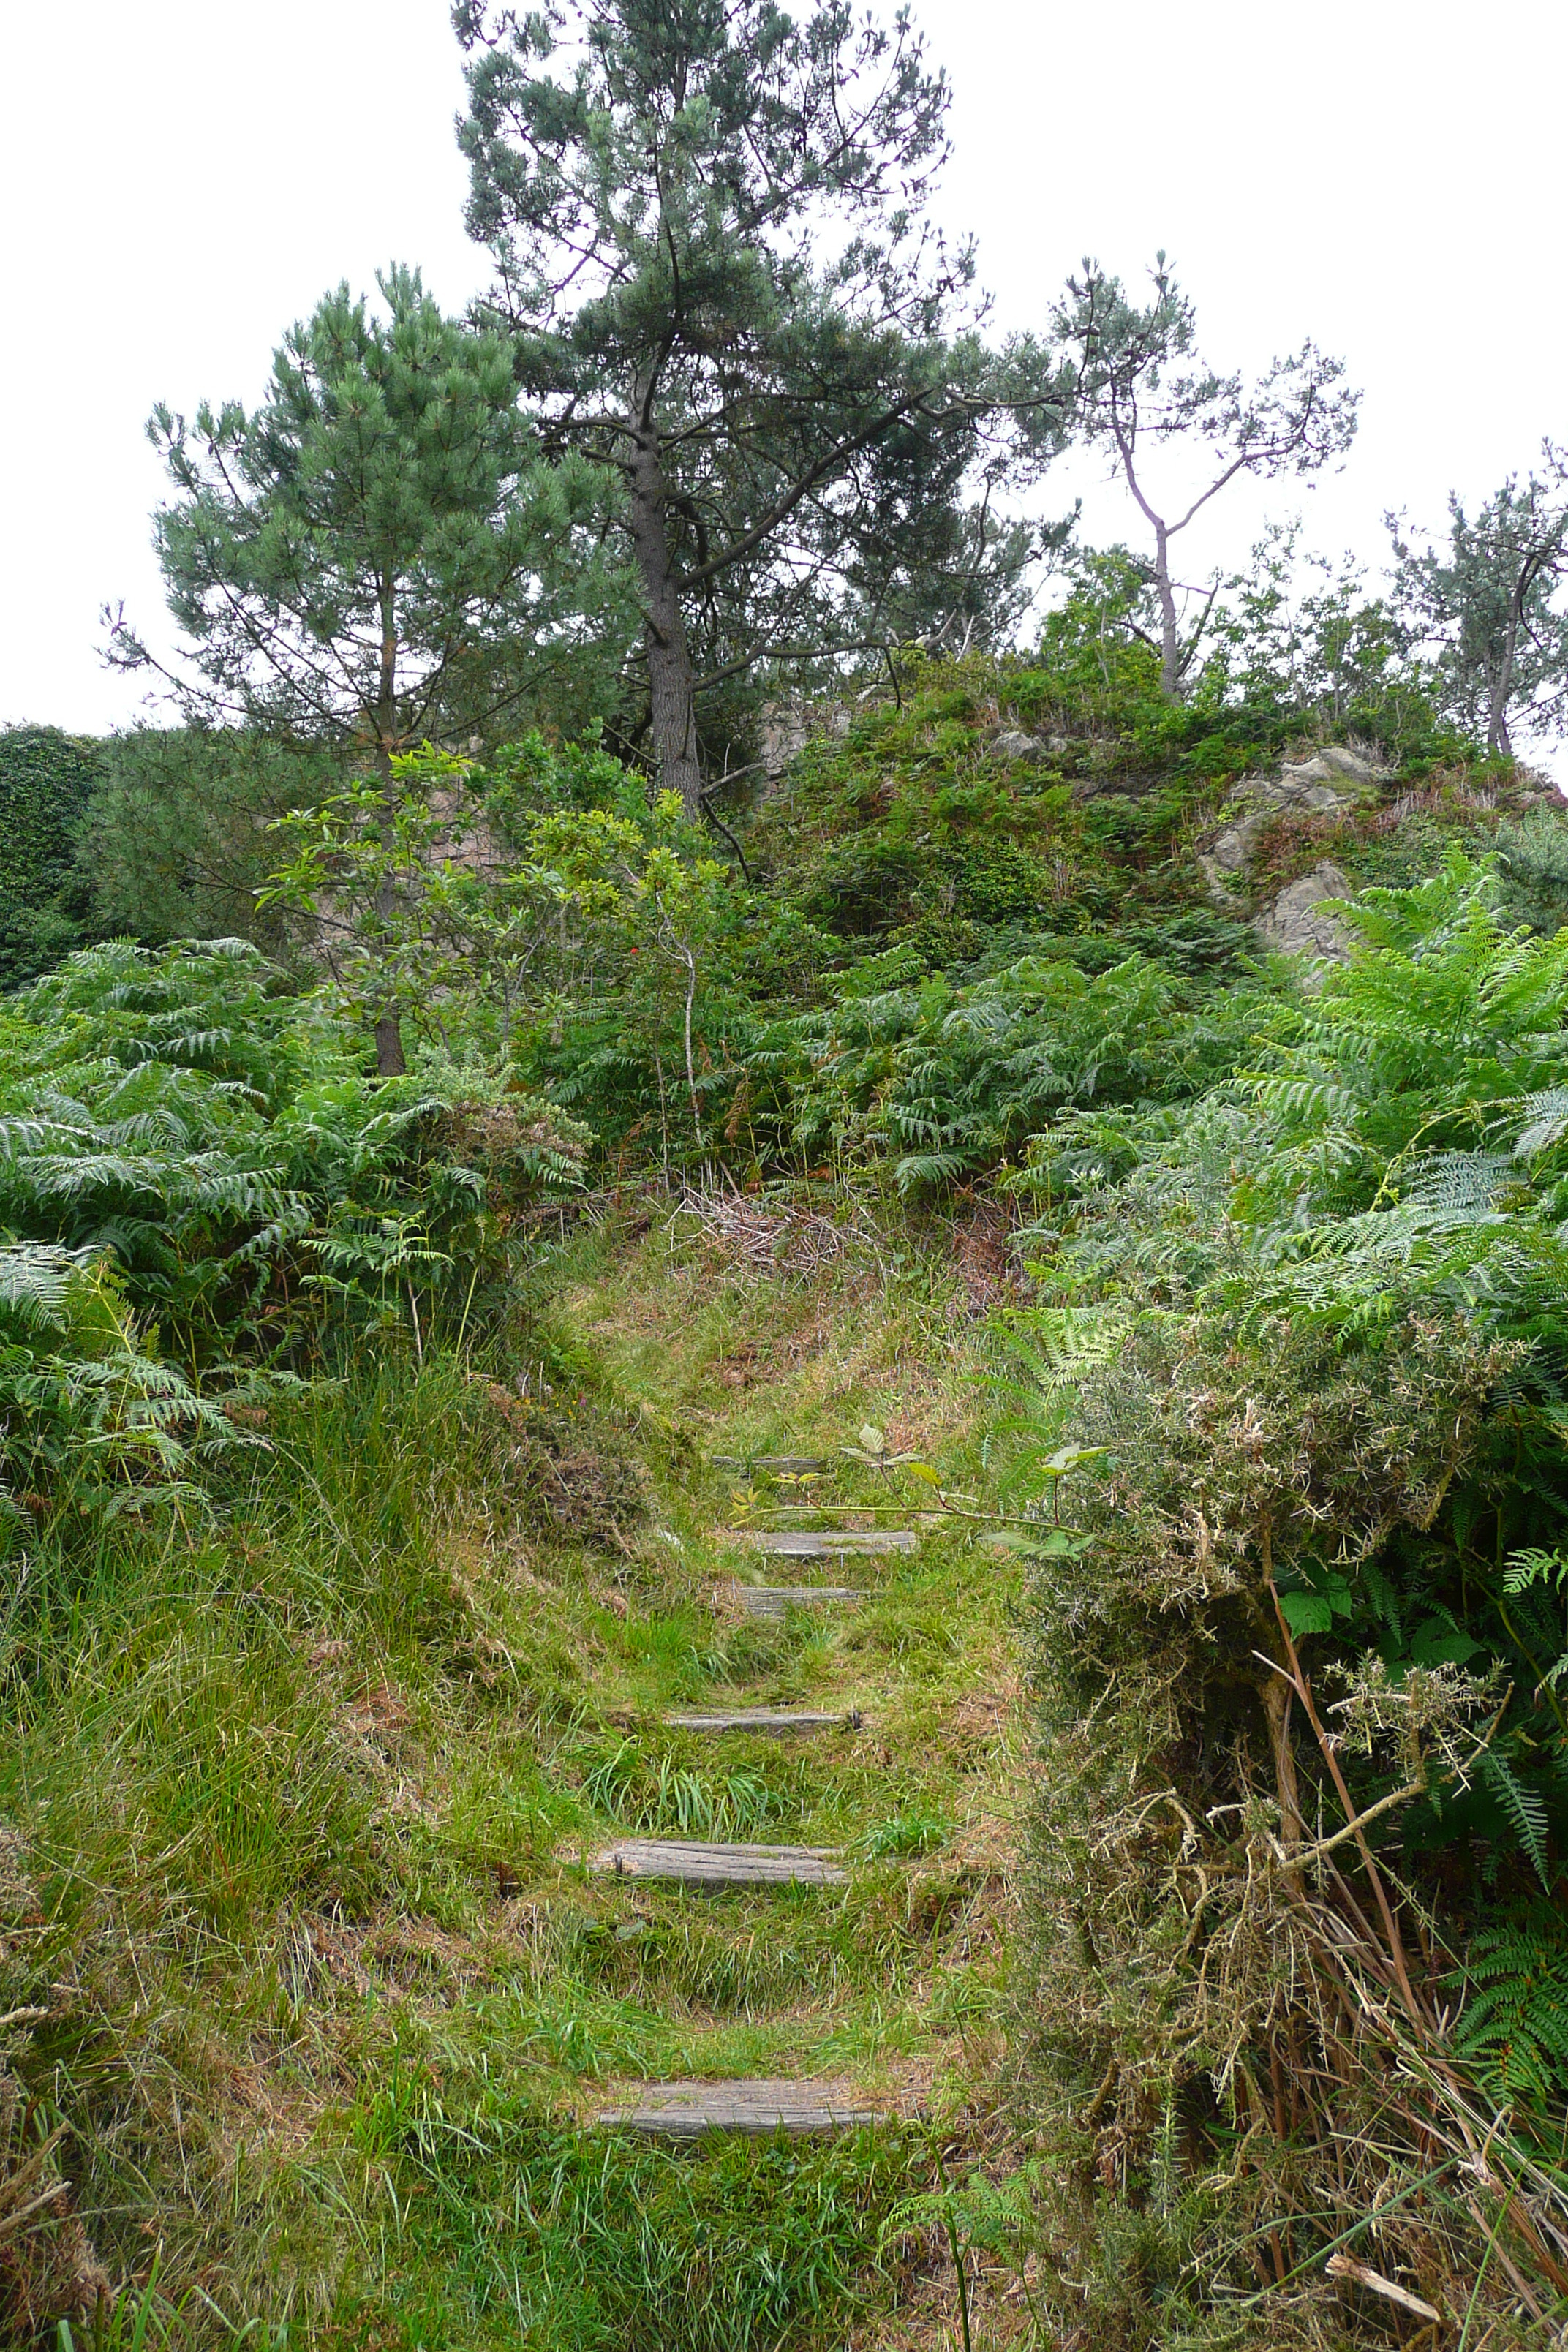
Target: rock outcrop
787	725
1331	783
1014	744
1293	925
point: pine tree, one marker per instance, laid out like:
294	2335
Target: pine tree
704	216
1139	385
378	553
1487	603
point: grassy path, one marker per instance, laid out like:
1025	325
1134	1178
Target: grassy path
892	1985
350	2000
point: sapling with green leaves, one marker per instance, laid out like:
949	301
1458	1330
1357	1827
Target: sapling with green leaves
632	885
418	914
1140	390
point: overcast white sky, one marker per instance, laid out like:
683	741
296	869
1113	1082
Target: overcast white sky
178	183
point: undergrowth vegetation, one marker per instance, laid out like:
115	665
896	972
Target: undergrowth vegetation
699	1001
359	1530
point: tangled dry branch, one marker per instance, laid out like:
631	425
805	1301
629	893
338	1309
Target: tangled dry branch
771	1235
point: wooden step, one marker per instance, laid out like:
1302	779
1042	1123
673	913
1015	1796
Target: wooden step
692	2110
781	1465
778	1721
691	1863
826	1543
773	1600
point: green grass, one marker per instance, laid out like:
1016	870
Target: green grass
305	1794
541	2238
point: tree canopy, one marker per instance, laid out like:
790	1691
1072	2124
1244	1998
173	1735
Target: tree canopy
1486	604
706	222
378	550
1138	384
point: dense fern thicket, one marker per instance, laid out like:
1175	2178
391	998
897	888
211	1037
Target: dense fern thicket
201	1194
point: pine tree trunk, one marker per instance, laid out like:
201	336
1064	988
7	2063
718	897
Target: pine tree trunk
1500	682
670	676
391	1061
1170	642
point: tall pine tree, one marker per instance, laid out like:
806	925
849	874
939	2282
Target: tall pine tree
379	552
706	219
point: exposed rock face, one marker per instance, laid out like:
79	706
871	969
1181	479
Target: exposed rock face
1293	925
1332	780
1014	744
787	726
1333	766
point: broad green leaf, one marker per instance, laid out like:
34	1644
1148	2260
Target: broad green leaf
1306	1612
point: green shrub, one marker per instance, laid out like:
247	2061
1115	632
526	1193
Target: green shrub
46	781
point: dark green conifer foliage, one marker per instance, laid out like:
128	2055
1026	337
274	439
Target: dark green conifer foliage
705	220
47	780
376	554
1487	601
357	561
176	843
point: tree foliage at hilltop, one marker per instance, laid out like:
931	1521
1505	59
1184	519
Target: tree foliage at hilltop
708	225
1487	603
1140	391
377	552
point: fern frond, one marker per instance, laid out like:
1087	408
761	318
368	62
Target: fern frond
1524	1809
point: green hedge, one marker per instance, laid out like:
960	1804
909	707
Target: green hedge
47	780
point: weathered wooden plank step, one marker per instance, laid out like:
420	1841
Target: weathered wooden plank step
826	1543
782	1465
779	1721
690	1861
692	2110
773	1600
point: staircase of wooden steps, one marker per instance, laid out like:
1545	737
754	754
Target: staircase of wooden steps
710	1868
772	1723
692	2111
839	1544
